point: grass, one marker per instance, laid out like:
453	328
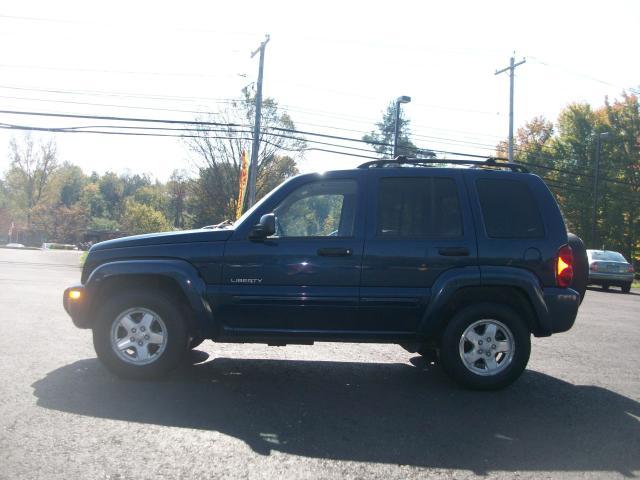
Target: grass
83	257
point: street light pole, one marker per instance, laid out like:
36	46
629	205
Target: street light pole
594	219
396	128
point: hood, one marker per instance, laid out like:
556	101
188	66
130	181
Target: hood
185	236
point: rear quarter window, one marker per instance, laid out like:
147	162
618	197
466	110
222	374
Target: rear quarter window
509	209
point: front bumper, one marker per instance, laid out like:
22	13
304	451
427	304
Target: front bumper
562	306
76	303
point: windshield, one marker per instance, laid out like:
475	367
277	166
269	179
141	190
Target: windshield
606	256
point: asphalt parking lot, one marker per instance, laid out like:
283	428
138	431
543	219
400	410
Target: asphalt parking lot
326	411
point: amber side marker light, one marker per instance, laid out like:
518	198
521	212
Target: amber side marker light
75	294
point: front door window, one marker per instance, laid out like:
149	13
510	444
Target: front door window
318	209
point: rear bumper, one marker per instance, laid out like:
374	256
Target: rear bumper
610	278
562	305
77	308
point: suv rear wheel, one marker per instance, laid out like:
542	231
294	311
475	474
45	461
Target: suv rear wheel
140	335
485	346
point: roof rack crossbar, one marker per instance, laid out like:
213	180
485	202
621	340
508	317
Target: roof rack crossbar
489	162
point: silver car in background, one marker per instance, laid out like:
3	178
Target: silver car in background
607	268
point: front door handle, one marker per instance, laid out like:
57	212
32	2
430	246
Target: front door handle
453	251
335	252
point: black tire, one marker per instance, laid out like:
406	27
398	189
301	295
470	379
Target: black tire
580	265
176	333
195	342
626	288
451	358
605	287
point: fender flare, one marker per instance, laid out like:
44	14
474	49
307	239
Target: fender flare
443	290
180	272
452	281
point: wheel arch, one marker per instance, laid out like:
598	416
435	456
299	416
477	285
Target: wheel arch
516	288
511	296
175	279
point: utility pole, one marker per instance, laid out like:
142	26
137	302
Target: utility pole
511	68
594	219
255	146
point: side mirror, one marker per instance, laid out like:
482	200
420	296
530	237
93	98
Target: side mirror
265	228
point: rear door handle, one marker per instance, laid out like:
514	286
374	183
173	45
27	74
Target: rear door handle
454	251
335	252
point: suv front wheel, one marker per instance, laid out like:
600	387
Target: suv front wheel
140	335
485	346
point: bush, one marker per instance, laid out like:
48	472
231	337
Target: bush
139	218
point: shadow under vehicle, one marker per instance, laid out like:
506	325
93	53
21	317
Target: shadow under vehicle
369	412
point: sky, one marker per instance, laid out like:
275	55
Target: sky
333	66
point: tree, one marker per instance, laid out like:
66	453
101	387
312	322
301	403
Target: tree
217	154
60	223
154	195
31	169
381	140
92	201
621	204
177	189
67	184
111	188
138	218
565	156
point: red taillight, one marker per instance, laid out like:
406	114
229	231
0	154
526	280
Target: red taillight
593	267
564	267
630	268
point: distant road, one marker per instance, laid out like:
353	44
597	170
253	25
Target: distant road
66	258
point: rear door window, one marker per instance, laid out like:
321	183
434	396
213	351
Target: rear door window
418	207
509	209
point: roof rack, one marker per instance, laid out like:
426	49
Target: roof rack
488	163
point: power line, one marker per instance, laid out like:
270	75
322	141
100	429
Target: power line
117	118
116	72
286	130
103	93
573	72
247	139
439	140
70	102
175	98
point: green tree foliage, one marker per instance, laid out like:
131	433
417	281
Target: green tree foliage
4	195
111	188
139	218
68	183
92	200
381	138
565	156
